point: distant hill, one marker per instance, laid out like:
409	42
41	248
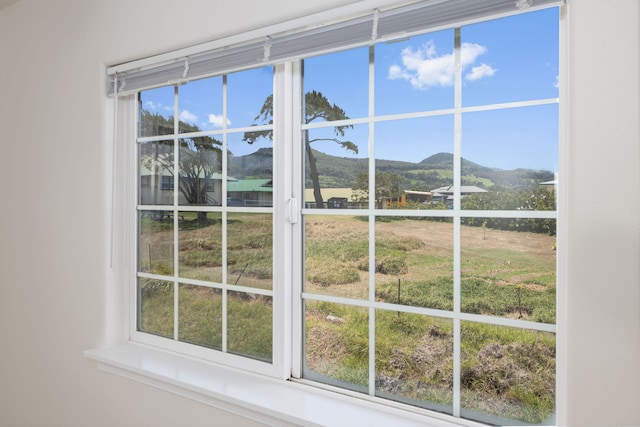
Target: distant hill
433	172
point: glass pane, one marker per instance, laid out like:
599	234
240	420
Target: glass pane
250	250
200	315
413	160
337	255
200	171
250	325
414	261
200	105
155	305
415	74
156	111
200	245
336	85
507	374
335	157
414	359
510	155
248	92
336	348
155	242
155	173
508	273
511	59
250	172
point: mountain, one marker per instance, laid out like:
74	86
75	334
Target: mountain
432	172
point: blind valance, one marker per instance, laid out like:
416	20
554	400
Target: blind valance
365	28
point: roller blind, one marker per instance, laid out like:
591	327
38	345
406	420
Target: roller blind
366	28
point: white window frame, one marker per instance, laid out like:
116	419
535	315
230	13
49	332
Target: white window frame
226	383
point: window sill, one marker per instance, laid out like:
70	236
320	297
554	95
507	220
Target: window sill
262	399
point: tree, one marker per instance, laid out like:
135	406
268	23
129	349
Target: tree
199	157
387	186
317	107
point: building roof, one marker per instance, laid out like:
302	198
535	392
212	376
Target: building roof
250	185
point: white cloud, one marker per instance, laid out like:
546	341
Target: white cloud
150	106
482	70
217	121
424	67
188	117
556	83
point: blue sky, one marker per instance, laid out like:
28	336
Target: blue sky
416	75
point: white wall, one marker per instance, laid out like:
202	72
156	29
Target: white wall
54	139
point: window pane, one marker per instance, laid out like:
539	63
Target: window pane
155	307
200	316
508	374
336	345
336	85
200	171
511	59
414	359
156	111
414	261
250	330
413	159
200	245
155	173
508	273
336	255
155	242
509	155
415	75
247	93
200	105
335	157
250	250
250	176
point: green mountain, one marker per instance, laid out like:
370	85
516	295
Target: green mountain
433	172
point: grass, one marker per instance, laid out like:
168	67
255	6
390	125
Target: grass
508	372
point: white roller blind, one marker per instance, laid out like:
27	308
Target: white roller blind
365	28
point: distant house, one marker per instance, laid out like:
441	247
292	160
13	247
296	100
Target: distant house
550	186
250	192
445	194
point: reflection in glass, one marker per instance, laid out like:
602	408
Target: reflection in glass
508	374
156	172
200	316
334	159
200	245
200	171
415	74
248	92
249	322
155	242
250	172
156	111
413	158
155	307
508	273
336	255
414	359
414	261
336	346
520	65
250	250
510	156
200	105
334	81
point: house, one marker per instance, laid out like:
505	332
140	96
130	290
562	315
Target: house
445	194
60	292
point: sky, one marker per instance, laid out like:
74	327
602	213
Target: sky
414	75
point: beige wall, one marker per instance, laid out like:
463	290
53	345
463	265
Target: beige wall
54	142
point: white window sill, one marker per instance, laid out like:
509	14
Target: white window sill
262	399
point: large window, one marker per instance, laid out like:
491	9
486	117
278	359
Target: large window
379	219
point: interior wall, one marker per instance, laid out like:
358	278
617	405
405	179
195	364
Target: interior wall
54	264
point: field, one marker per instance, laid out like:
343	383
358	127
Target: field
505	371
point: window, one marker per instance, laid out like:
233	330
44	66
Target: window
377	218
